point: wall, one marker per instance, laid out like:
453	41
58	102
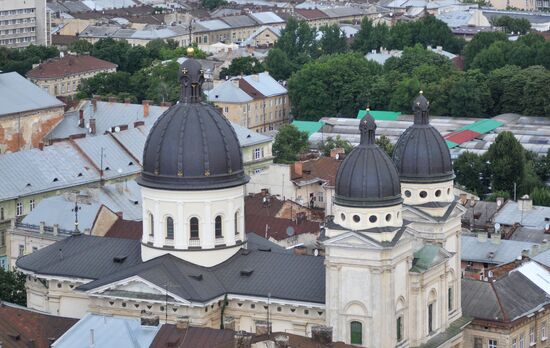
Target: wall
67	86
31	27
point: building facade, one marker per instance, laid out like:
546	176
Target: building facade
23	23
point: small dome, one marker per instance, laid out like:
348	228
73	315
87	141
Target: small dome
192	146
421	154
367	177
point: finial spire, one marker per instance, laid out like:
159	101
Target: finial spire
367	127
421	108
191	76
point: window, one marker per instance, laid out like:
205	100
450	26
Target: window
450	299
399	328
151	224
543	330
226	109
356	332
515	343
194	228
492	343
236	223
218	227
320	196
423	194
21	250
478	342
521	341
407	193
31	205
19	209
356	218
169	228
373	218
34	249
430	318
2	213
532	338
258	153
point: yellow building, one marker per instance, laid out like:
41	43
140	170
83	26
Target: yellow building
257	102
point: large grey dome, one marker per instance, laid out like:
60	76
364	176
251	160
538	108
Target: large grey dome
367	177
192	146
421	154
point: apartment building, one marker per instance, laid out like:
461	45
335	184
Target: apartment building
23	23
257	102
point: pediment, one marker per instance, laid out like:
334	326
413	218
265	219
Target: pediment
352	239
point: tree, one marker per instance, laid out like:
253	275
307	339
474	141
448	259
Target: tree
497	81
479	42
512	25
385	144
507	162
289	143
541	196
326	146
333	40
298	41
81	47
469	95
371	37
469	169
12	287
278	64
242	66
212	4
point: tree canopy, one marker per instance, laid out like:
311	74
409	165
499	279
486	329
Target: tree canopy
242	66
289	143
12	287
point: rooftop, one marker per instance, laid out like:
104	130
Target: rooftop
492	251
266	18
537	217
69	65
319	169
18	94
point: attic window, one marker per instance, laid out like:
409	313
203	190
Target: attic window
249	136
119	259
28	184
196	276
246	272
136	202
264	249
131	163
55	179
79	174
107	168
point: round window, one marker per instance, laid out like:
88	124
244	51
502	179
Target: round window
438	193
343	216
423	194
356	218
388	217
407	193
373	218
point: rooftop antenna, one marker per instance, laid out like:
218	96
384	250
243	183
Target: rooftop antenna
101	164
75	210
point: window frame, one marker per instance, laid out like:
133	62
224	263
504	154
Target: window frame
218	226
194	222
169	228
356	332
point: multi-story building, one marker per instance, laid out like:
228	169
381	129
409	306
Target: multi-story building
62	76
257	102
23	23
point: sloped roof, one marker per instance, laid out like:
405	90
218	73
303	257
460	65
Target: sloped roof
127	229
109	332
266	18
510	214
21	327
239	21
214	24
322	168
495	253
69	65
18	94
171	336
229	93
265	84
342	11
311	13
427	257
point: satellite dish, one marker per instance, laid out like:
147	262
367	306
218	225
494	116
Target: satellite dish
499	202
337	156
547	227
117	129
290	231
316	252
497	227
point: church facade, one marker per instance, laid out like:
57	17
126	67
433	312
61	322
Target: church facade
390	276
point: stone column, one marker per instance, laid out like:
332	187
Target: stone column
180	233
158	238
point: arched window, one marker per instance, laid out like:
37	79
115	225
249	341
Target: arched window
169	228
236	223
151	224
194	228
218	226
356	332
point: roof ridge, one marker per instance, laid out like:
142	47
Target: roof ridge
500	305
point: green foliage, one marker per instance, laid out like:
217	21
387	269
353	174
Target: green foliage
370	36
326	146
507	162
333	40
289	143
81	47
212	4
469	169
242	66
469	95
336	85
22	60
385	144
512	25
541	196
278	64
498	194
480	42
12	287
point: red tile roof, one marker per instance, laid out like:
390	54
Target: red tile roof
311	13
462	137
67	66
170	336
21	327
324	168
127	229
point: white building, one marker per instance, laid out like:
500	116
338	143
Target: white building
23	23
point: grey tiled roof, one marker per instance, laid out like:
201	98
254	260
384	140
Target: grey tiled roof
18	94
266	18
239	21
505	251
510	214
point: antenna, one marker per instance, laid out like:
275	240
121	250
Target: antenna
75	210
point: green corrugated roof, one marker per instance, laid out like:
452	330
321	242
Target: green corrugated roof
309	127
482	126
450	144
426	257
380	115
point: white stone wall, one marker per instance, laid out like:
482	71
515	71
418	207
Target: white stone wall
417	194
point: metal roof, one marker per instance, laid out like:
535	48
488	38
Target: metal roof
308	126
227	92
342	12
108	332
214	24
248	137
239	21
18	94
266	18
510	214
265	84
488	251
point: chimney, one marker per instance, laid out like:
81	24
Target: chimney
92	126
182	322
127	101
262	327
41	146
336	152
242	339
95	99
463	198
495	238
145	104
298	169
112	100
138	123
525	203
228	323
439	48
500	202
321	334
525	253
42	227
535	250
482	237
281	341
149	319
55	229
81	118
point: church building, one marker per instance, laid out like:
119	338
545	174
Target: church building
390	276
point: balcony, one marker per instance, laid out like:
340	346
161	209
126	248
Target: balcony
220	241
194	242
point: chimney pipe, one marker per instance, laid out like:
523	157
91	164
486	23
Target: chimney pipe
242	339
149	319
81	118
92	126
182	322
321	334
41	146
281	341
145	104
